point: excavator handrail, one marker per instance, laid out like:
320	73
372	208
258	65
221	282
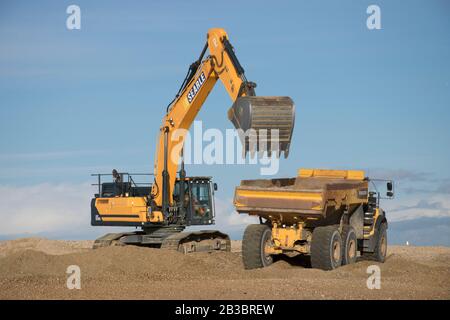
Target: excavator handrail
122	174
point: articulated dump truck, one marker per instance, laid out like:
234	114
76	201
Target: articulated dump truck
330	215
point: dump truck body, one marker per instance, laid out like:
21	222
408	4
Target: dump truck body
309	196
304	197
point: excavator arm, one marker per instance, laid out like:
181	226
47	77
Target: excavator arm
173	203
247	112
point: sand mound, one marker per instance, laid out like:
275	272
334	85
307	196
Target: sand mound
36	268
53	247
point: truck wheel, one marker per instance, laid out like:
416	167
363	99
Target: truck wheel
380	249
254	246
350	244
326	248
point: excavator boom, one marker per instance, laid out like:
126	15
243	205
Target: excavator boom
174	202
263	121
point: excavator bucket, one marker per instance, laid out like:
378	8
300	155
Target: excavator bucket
267	123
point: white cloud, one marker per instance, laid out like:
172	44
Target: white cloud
64	209
417	206
228	217
44	208
59	209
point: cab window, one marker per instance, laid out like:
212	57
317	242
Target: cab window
200	199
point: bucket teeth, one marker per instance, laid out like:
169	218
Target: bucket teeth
266	123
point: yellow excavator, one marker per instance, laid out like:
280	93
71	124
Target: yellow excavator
163	209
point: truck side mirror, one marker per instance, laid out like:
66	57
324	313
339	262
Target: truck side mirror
390	188
215	186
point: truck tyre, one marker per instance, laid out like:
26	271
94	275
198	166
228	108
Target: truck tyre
349	244
380	249
326	248
256	238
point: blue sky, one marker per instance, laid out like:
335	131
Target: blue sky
78	102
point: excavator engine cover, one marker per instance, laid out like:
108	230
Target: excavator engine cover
264	115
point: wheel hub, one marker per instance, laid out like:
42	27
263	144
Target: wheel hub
336	251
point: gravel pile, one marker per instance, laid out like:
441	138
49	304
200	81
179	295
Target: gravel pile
36	269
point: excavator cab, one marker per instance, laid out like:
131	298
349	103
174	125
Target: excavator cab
196	200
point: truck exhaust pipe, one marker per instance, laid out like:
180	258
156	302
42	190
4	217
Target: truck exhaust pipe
267	123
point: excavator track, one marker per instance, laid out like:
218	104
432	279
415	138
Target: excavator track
185	242
198	241
111	239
